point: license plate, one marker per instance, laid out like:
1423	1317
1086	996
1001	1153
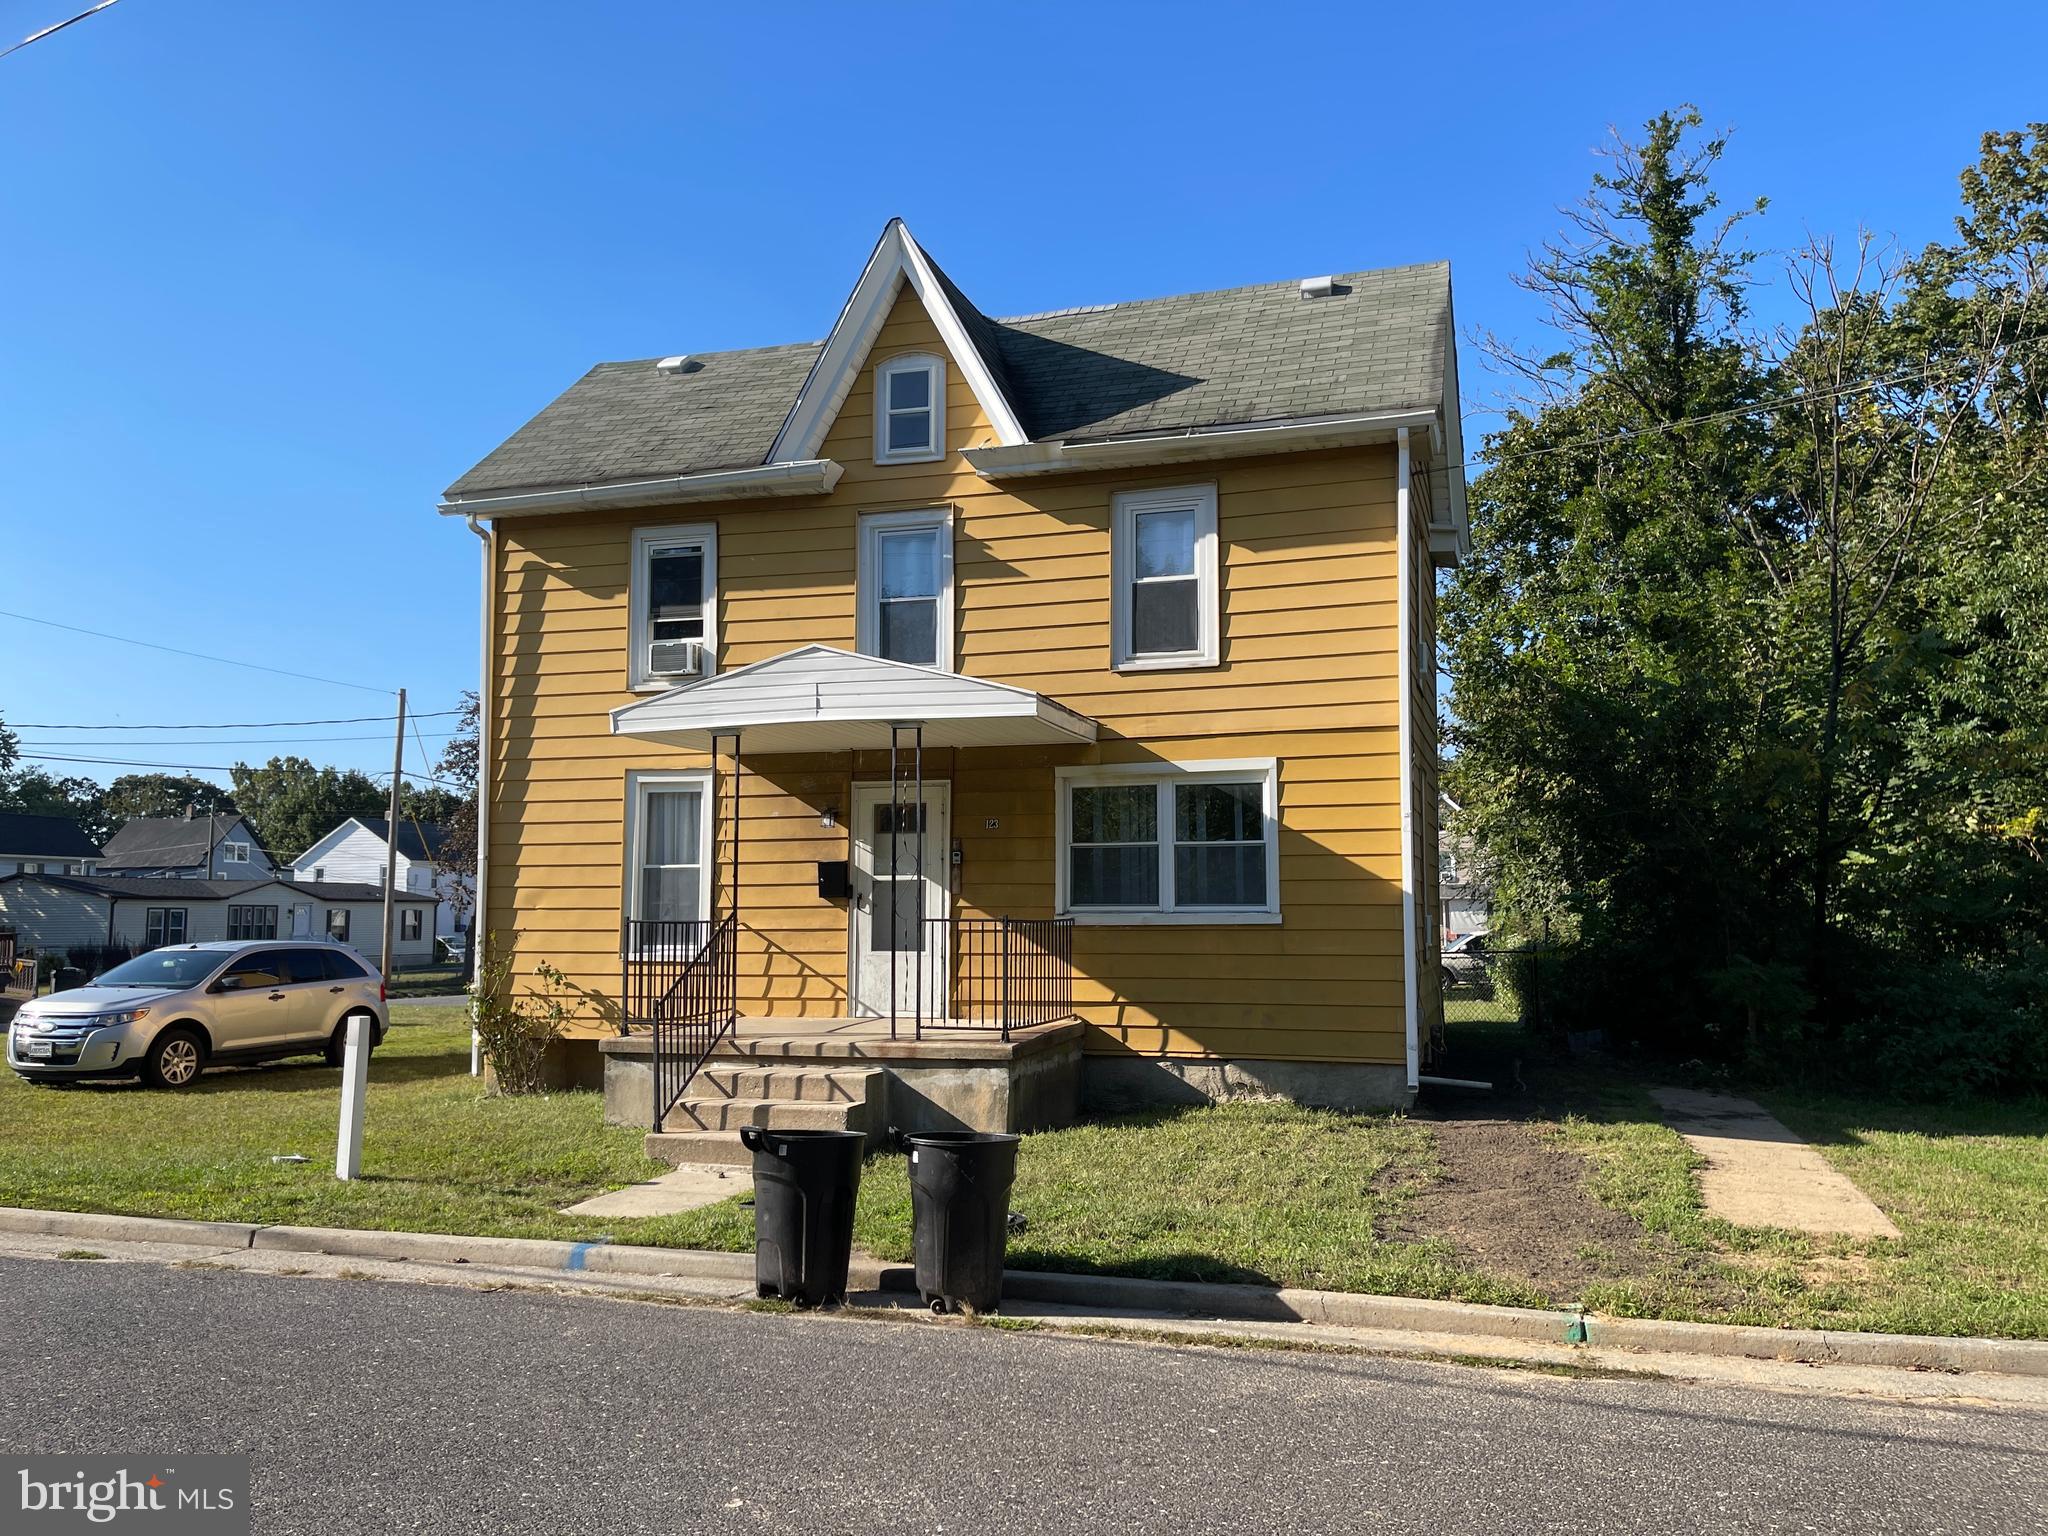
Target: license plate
32	1049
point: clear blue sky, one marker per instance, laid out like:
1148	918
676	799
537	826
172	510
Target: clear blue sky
274	274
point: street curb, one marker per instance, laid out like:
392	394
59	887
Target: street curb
1345	1309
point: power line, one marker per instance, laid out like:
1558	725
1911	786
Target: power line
124	762
224	741
37	37
226	661
231	725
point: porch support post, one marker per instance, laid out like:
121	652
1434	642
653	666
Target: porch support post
727	817
922	929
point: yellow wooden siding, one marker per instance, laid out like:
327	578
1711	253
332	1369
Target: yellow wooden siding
1309	676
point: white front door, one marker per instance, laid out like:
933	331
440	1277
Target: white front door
890	934
302	922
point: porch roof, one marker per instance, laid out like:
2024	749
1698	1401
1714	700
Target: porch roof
821	699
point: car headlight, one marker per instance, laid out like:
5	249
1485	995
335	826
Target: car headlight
114	1020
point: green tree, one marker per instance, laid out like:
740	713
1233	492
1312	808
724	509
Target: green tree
291	804
162	794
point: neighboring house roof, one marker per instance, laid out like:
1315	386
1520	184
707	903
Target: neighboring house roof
169	841
1236	356
26	836
187	892
148	886
416	840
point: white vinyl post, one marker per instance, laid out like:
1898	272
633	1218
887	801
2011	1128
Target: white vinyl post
355	1077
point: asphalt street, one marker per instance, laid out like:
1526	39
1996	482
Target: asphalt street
370	1407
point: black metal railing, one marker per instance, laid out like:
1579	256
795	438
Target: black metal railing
1006	974
681	985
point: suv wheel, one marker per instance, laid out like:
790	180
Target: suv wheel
337	1043
174	1059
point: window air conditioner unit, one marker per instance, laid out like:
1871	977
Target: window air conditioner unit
675	658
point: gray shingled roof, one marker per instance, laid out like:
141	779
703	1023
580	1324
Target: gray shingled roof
415	841
151	842
24	835
1156	365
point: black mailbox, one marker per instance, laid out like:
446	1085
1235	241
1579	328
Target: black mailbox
835	879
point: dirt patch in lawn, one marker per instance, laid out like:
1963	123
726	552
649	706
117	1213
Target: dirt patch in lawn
1514	1204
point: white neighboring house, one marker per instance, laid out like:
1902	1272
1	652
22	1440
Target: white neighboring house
1464	882
56	913
355	851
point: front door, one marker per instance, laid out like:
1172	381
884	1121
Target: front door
891	934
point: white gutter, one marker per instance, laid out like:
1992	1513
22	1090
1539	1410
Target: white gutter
1226	442
479	930
1411	981
802	477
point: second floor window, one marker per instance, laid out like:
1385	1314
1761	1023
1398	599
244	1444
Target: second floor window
906	587
1163	559
234	853
674	584
910	410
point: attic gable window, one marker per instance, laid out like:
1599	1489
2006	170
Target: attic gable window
910	410
234	853
674	597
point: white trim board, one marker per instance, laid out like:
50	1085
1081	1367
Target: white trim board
897	259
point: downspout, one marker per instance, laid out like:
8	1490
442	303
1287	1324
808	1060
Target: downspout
479	930
1404	540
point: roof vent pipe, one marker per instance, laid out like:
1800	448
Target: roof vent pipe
681	364
1318	287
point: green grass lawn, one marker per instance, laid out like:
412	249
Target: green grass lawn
1248	1192
428	981
1967	1188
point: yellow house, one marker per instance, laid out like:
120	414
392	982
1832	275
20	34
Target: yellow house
963	720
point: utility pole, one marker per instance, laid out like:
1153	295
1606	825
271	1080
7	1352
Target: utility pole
355	1068
391	831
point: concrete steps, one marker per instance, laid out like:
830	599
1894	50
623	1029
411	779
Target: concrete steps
704	1125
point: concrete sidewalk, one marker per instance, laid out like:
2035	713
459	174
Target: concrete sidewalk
1758	1174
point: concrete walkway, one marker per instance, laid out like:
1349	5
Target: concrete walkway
1758	1174
687	1188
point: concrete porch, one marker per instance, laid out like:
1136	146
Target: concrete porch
846	1073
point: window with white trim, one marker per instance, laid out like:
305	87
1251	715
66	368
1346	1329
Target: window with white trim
1198	844
674	597
906	587
910	409
668	847
1163	563
162	925
234	853
409	925
337	924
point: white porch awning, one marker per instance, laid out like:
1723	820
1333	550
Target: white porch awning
820	699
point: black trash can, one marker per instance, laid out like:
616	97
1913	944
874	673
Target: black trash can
804	1185
960	1211
67	978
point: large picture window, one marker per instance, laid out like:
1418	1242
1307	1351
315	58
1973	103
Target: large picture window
1163	559
906	587
674	599
668	841
252	922
1192	844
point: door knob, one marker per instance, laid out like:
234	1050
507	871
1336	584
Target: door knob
276	996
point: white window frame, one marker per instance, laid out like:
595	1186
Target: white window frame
409	917
1165	776
867	625
1125	507
234	853
705	535
639	783
933	367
